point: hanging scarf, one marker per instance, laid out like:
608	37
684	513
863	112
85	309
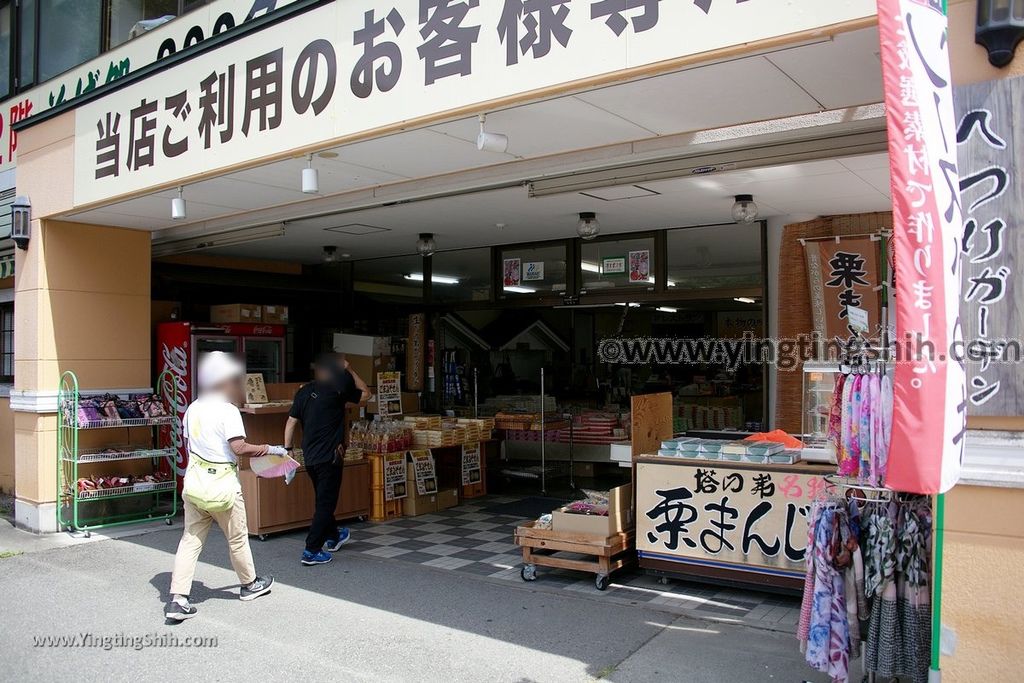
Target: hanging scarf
835	416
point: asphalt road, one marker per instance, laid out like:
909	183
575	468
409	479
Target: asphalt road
357	619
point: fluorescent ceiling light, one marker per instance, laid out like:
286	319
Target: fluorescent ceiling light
520	290
744	300
631	305
590	267
669	283
667	309
434	279
223	239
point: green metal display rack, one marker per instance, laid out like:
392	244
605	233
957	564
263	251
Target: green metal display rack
85	510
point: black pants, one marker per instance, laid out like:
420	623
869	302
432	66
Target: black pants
326	478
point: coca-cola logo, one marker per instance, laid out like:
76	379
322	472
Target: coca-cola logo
265	330
175	360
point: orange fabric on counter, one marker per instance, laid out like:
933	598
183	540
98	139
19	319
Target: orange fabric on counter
777	436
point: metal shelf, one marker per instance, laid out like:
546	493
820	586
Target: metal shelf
125	491
129	422
115	453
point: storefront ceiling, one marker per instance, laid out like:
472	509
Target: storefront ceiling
836	73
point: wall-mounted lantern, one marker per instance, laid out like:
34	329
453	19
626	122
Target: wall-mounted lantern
21	221
999	28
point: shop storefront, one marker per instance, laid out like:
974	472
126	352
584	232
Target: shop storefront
479	200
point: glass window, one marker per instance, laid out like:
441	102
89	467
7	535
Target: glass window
390	278
27	44
715	257
617	263
530	271
69	34
463	275
7	343
125	14
5	49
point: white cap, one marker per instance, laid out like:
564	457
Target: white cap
217	367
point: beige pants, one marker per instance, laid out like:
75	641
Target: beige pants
197	526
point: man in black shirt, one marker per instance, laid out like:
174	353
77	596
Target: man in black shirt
320	408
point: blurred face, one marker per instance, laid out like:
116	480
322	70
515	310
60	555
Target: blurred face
233	390
321	374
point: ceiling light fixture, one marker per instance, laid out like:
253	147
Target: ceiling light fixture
588	228
178	212
490	142
310	178
667	309
589	267
520	290
330	254
744	300
425	245
744	210
435	279
630	304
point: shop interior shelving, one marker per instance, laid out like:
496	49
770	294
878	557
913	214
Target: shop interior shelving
85	511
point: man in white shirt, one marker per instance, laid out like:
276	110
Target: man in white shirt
215	437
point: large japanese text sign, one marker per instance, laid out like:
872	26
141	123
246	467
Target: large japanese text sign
352	67
990	137
711	513
198	25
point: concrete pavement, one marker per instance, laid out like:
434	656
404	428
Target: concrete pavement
357	619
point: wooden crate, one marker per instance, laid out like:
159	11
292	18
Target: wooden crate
541	547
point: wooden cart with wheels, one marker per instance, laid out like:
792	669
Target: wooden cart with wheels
541	548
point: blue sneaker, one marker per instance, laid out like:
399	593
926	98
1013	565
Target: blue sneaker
335	545
309	559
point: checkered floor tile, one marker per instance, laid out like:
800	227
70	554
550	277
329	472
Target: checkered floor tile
470	540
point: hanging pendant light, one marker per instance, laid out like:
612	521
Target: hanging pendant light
744	210
425	245
588	227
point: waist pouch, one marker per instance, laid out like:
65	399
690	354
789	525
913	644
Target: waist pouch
211	486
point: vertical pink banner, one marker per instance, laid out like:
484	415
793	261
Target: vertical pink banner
930	406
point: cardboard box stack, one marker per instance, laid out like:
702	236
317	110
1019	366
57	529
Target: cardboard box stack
236	313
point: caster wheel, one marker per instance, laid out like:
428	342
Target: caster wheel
528	572
663	580
88	534
262	537
361	518
601	582
169	522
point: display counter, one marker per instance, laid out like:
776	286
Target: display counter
270	504
724	521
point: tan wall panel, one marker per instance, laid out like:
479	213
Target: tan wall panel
95	326
35	447
88	258
28	263
100	374
46	163
6	446
981	603
972	509
968	59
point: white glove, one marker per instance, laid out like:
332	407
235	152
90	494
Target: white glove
276	450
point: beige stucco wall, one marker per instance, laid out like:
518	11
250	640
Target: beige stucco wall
6	446
983	559
82	304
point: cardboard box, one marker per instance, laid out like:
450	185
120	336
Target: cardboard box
236	313
367	367
275	315
415	505
362	345
620	516
447	498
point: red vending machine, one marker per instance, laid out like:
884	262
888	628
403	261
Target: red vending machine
179	346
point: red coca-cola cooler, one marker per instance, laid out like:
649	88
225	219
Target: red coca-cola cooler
179	346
